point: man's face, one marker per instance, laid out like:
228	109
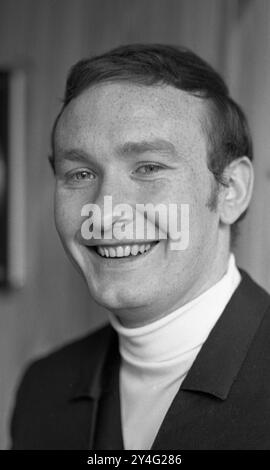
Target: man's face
138	145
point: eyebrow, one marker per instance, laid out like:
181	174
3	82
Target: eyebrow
73	155
138	148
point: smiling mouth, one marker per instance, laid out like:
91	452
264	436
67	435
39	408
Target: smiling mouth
124	251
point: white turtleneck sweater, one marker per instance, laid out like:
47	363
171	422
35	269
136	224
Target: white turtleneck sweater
156	358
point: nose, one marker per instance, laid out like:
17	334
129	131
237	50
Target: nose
113	216
115	203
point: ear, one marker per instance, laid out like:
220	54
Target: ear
239	177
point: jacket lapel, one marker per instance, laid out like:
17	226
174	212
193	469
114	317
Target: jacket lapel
95	400
108	432
208	383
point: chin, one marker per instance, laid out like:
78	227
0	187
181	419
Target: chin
116	298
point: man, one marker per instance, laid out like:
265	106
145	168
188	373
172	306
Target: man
183	363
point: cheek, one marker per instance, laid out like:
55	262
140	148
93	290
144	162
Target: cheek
196	194
67	214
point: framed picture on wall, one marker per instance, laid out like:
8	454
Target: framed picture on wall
12	181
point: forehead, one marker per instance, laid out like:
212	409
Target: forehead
116	112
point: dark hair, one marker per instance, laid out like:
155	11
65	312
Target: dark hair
156	64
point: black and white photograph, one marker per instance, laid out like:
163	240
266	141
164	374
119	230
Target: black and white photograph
135	228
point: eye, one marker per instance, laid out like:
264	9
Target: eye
80	176
149	169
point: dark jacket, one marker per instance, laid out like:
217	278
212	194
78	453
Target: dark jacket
70	399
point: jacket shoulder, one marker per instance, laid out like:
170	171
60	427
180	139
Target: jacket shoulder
50	381
67	358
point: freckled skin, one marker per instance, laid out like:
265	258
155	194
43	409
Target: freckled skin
98	121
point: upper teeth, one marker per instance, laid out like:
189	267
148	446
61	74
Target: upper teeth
123	250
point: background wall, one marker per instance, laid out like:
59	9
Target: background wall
46	37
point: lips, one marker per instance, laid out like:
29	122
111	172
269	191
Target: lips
124	251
